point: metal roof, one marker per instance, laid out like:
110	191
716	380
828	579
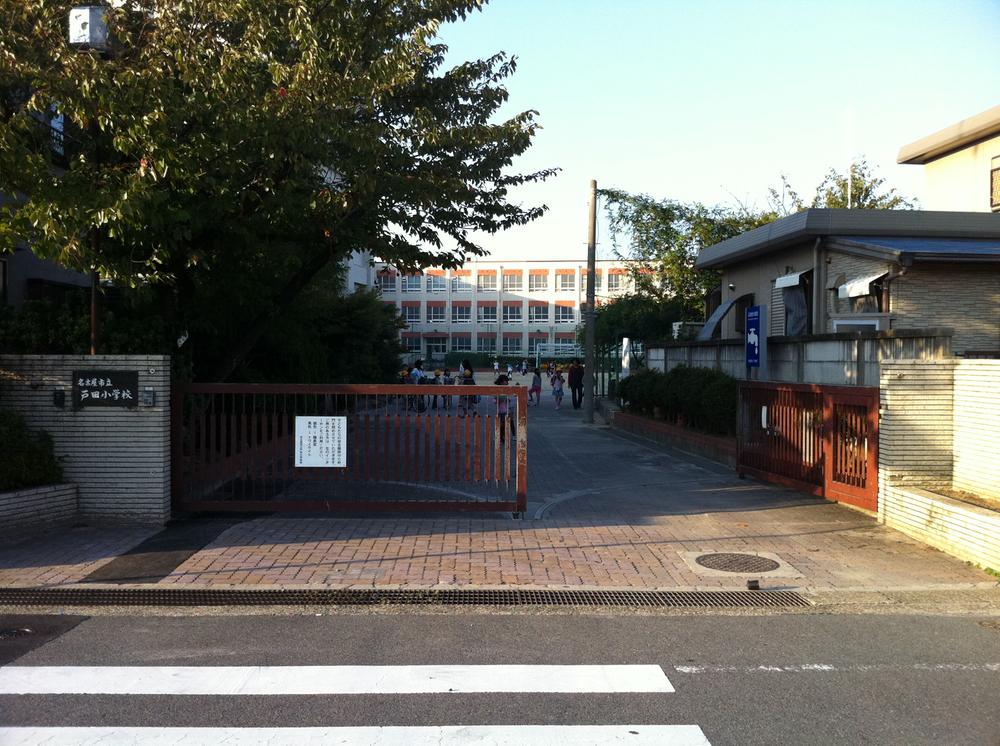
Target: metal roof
847	224
928	249
955	137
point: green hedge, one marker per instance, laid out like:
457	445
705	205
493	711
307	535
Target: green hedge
27	457
700	398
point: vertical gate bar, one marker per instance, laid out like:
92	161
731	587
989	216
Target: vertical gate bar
497	431
385	420
466	446
437	447
355	419
399	466
522	450
366	429
448	423
177	446
426	477
408	472
508	443
476	458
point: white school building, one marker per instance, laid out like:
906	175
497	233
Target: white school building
506	308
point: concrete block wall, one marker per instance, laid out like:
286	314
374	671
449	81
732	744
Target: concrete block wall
916	426
838	360
118	458
977	428
962	530
37	508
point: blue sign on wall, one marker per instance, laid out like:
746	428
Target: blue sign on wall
753	336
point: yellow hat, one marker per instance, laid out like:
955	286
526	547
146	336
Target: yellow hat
467	374
437	371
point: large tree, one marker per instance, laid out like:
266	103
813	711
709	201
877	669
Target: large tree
661	238
867	192
226	152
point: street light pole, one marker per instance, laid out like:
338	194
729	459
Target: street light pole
88	30
589	338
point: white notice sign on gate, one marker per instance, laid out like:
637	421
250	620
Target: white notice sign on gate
321	441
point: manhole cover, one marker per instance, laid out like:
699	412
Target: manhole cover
13	634
731	562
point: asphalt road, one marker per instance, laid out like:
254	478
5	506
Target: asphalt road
780	679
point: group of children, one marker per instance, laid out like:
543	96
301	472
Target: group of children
466	377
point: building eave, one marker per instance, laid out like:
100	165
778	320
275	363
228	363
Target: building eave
959	135
819	223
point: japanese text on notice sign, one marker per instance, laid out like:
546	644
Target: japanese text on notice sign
321	441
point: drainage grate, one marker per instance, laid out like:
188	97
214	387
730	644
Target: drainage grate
389	596
15	634
732	562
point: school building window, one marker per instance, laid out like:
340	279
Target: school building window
486	282
512	313
597	283
486	314
538	314
436	284
386	283
411	344
461	344
461	285
565	315
435	314
461	314
512	282
411	284
437	346
538	283
614	282
486	344
565	283
411	314
511	344
533	344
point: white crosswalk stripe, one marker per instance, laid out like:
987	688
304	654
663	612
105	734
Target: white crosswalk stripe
479	735
239	681
233	680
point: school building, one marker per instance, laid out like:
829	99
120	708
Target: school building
504	308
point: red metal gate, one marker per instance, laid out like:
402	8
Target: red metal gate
823	439
408	448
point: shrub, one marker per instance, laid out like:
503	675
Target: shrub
28	459
700	398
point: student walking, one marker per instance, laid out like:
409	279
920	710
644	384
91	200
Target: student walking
467	404
557	388
576	383
503	409
535	392
447	380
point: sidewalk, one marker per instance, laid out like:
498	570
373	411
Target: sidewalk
605	511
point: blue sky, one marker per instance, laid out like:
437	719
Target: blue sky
714	100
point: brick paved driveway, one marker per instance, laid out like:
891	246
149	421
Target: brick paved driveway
604	511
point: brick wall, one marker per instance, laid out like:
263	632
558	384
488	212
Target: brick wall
118	458
977	428
46	507
964	298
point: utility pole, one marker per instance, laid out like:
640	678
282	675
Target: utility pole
589	338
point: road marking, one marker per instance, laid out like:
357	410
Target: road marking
495	735
236	680
850	668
